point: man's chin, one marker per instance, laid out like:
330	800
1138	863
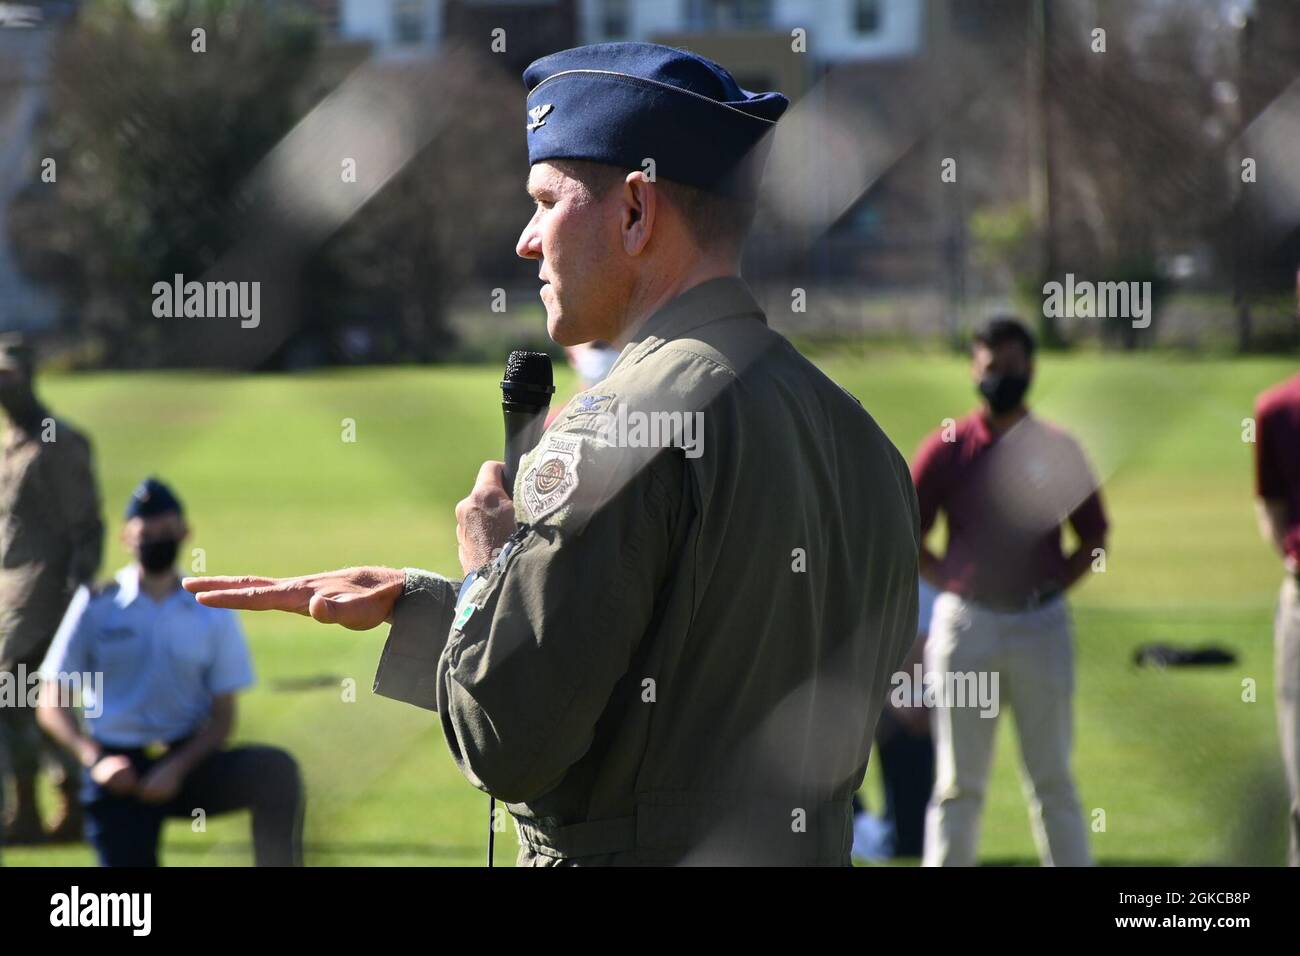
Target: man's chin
563	332
554	327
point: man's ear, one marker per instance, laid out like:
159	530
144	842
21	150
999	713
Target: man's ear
637	222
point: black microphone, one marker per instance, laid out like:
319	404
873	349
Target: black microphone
525	396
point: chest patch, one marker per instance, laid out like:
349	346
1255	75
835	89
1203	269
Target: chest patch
553	475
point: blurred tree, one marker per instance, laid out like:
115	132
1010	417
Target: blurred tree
443	228
1262	241
1142	133
1003	245
151	141
157	146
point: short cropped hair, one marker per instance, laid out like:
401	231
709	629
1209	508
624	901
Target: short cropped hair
1006	328
713	218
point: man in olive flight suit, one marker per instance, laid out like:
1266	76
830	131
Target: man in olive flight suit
676	631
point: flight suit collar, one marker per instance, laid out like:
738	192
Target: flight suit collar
699	305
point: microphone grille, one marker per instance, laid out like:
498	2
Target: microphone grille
530	369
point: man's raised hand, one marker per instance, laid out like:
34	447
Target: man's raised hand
357	598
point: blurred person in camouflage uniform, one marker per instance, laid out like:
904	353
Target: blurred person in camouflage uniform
51	540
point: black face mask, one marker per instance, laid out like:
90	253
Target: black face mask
158	556
1003	392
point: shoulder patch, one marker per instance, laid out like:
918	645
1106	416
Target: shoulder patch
552	478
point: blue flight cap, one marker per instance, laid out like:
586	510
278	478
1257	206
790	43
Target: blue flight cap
624	103
151	497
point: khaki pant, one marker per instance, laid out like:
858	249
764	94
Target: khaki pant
22	746
1033	656
1286	681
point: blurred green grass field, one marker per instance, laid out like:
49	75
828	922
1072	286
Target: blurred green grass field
1182	768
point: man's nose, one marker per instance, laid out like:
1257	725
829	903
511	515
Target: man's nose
529	245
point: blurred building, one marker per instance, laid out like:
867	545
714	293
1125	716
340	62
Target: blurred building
27	32
744	34
888	65
741	33
884	93
413	28
952	98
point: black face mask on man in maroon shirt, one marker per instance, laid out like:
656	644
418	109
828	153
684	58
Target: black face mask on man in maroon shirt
1003	392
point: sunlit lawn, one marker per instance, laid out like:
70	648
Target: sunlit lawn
1184	769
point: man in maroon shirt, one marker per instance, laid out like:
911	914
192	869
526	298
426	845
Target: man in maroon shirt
1277	487
1005	481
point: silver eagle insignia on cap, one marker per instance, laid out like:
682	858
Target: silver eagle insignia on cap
537	113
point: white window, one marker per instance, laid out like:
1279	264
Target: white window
613	22
707	15
866	16
408	22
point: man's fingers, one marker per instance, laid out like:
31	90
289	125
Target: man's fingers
249	593
274	597
199	585
492	474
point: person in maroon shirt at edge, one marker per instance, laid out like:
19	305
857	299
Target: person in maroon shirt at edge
1277	487
1005	480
